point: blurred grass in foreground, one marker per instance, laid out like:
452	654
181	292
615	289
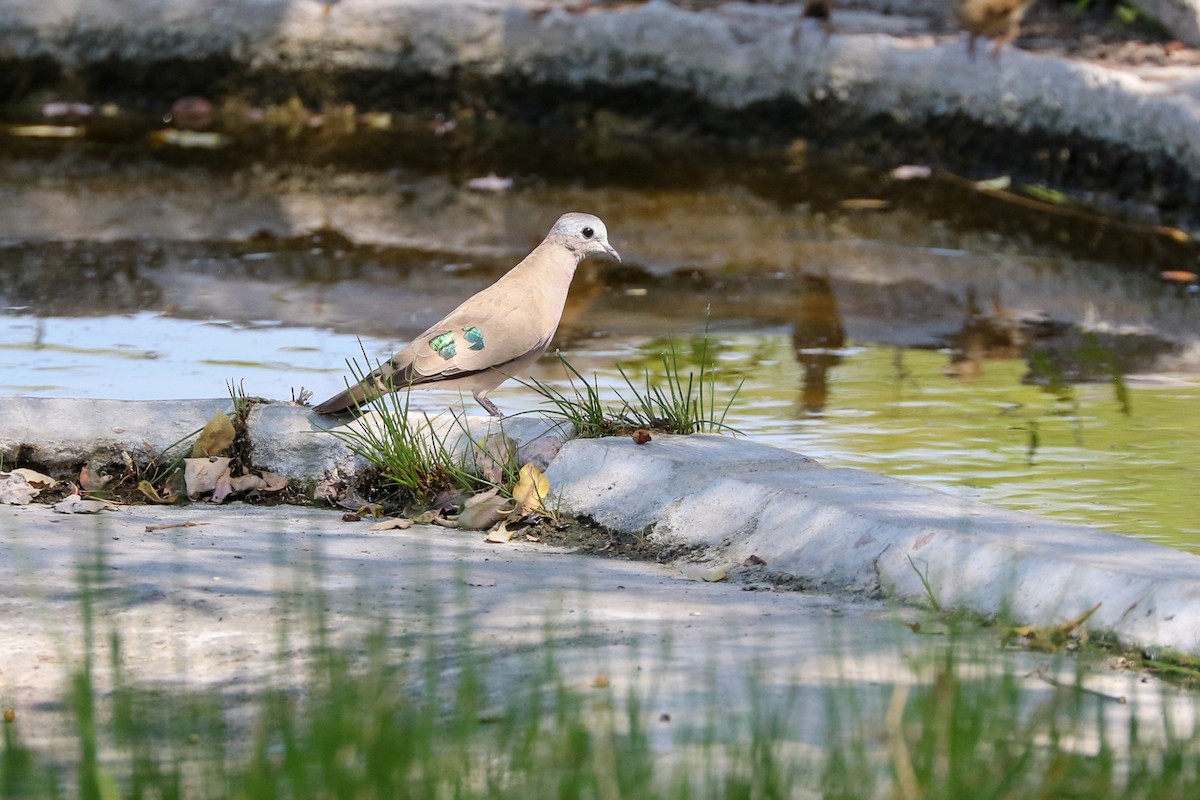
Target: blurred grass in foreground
430	714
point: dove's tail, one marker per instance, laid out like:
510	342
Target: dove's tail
347	402
353	398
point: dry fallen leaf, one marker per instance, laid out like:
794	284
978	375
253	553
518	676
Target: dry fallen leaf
74	504
327	490
216	437
706	574
530	490
15	490
200	475
1053	637
493	455
352	501
146	488
247	483
482	497
753	561
274	483
223	489
448	500
499	534
35	479
92	481
397	524
483	511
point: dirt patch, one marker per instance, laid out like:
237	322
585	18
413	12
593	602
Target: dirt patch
590	537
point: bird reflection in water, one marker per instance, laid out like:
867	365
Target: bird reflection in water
817	336
984	337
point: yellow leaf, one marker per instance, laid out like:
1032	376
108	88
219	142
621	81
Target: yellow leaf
500	534
530	490
398	524
216	437
152	494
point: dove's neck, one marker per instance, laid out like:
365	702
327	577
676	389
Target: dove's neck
547	272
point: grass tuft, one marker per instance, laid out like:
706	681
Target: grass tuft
410	453
668	400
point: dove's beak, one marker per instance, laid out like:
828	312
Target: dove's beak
608	248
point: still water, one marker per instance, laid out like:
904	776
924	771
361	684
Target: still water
921	331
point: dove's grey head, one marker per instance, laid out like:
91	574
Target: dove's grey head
582	234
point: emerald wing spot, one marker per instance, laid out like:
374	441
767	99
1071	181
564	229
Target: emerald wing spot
443	344
474	336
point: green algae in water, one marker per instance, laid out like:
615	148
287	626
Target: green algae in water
1122	457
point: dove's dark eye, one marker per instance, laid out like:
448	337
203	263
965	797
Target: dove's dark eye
588	233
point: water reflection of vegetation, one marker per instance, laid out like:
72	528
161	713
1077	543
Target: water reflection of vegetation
435	713
1109	454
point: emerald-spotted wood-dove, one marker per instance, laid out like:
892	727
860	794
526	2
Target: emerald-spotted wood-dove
498	333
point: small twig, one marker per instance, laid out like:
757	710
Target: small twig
153	528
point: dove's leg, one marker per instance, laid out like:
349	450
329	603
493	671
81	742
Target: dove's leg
488	405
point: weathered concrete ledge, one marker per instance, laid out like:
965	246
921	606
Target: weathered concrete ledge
733	57
834	530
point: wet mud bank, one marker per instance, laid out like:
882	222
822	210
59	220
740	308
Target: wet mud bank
886	88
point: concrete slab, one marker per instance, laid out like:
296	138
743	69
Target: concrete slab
227	606
65	433
849	530
305	446
833	530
